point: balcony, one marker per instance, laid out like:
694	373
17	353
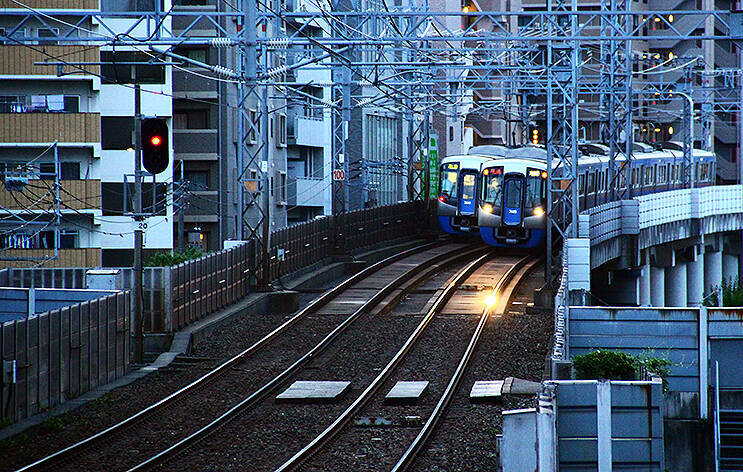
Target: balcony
50	127
305	191
203	27
203	207
75	195
187	85
194	141
20	60
54	4
305	131
79	257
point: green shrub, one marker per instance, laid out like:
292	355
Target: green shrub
616	365
604	364
166	259
732	293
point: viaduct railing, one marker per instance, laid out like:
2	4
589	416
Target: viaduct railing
613	229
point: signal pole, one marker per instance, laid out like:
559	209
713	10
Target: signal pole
138	235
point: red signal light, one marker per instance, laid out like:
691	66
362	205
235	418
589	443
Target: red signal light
441	198
156	140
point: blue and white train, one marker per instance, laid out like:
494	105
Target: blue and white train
458	193
507	202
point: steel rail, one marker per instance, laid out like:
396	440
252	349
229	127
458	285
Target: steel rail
434	265
420	440
79	447
320	440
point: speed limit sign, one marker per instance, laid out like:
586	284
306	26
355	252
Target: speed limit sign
339	174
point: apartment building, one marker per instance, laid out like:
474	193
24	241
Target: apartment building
309	125
204	136
70	127
657	118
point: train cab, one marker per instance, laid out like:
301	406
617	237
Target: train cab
458	193
513	202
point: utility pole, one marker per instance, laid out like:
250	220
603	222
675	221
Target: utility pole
181	211
138	234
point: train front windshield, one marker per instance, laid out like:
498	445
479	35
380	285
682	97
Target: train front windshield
513	194
468	186
492	188
449	175
536	191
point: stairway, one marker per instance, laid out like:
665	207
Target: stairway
731	440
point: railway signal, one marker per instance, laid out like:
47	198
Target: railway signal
155	149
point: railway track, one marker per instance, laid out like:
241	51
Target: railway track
112	447
439	326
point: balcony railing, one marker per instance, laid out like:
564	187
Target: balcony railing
305	191
20	60
306	131
50	127
204	203
39	195
195	141
79	257
54	4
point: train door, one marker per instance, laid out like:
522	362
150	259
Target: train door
513	199
468	192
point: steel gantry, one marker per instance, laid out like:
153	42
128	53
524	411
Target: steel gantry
412	61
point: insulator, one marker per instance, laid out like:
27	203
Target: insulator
222	42
276	71
278	43
225	72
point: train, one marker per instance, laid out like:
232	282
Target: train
500	193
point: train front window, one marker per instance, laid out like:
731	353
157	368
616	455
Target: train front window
449	175
492	189
513	194
468	186
536	188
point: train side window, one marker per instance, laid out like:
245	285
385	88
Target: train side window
581	183
591	182
668	173
678	173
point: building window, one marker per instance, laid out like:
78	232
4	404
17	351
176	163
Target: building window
12	104
201	55
255	129
47	33
451	133
68	239
197	179
191	119
282	187
117	200
116	132
40	104
281	131
70	171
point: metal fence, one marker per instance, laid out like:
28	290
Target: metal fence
206	285
177	296
304	244
61	354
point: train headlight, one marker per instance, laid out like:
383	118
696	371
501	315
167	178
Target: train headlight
538	211
490	300
487	208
